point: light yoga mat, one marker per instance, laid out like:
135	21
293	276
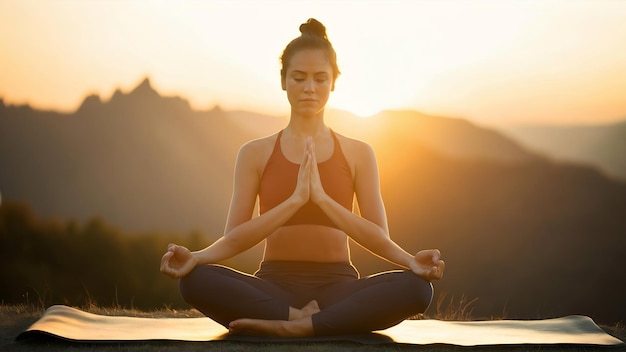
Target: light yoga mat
76	325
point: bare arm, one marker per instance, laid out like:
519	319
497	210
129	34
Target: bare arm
242	230
370	229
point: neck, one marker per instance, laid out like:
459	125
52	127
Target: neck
303	126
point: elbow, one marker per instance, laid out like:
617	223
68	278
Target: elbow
383	232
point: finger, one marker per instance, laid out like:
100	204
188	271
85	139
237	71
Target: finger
166	257
304	168
305	160
313	158
309	157
165	261
436	254
314	168
438	270
171	272
433	274
310	161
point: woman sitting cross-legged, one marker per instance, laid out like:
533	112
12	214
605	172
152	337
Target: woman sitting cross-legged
306	177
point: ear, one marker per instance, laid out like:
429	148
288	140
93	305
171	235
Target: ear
283	79
332	86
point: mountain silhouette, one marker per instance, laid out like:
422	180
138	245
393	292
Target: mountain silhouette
599	145
140	160
526	235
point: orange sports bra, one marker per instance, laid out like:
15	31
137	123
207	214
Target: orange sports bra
280	177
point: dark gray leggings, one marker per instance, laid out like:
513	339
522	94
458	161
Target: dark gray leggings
348	304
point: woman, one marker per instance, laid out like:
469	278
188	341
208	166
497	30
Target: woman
305	178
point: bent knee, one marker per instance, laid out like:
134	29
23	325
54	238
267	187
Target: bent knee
420	290
192	286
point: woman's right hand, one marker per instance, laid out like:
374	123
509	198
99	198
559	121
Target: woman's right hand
177	261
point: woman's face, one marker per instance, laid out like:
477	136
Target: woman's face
308	82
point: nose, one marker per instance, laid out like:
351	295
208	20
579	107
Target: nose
309	86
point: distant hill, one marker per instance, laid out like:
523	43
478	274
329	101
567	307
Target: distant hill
528	236
140	160
603	146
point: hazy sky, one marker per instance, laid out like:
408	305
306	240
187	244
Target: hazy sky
494	62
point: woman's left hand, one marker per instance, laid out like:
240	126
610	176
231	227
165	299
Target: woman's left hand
428	264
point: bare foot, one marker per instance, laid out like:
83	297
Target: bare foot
282	328
306	311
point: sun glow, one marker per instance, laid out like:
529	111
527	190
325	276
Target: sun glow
482	59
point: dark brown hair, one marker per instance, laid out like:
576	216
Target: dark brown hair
313	36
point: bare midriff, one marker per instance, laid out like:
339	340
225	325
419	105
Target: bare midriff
313	243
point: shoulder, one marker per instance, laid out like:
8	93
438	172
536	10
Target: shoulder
359	155
259	145
256	152
355	149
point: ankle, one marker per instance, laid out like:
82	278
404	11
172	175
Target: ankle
306	311
297	328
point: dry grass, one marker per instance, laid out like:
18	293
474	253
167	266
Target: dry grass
16	318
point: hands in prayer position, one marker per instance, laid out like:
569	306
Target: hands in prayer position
309	186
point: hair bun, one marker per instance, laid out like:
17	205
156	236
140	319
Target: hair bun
313	27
